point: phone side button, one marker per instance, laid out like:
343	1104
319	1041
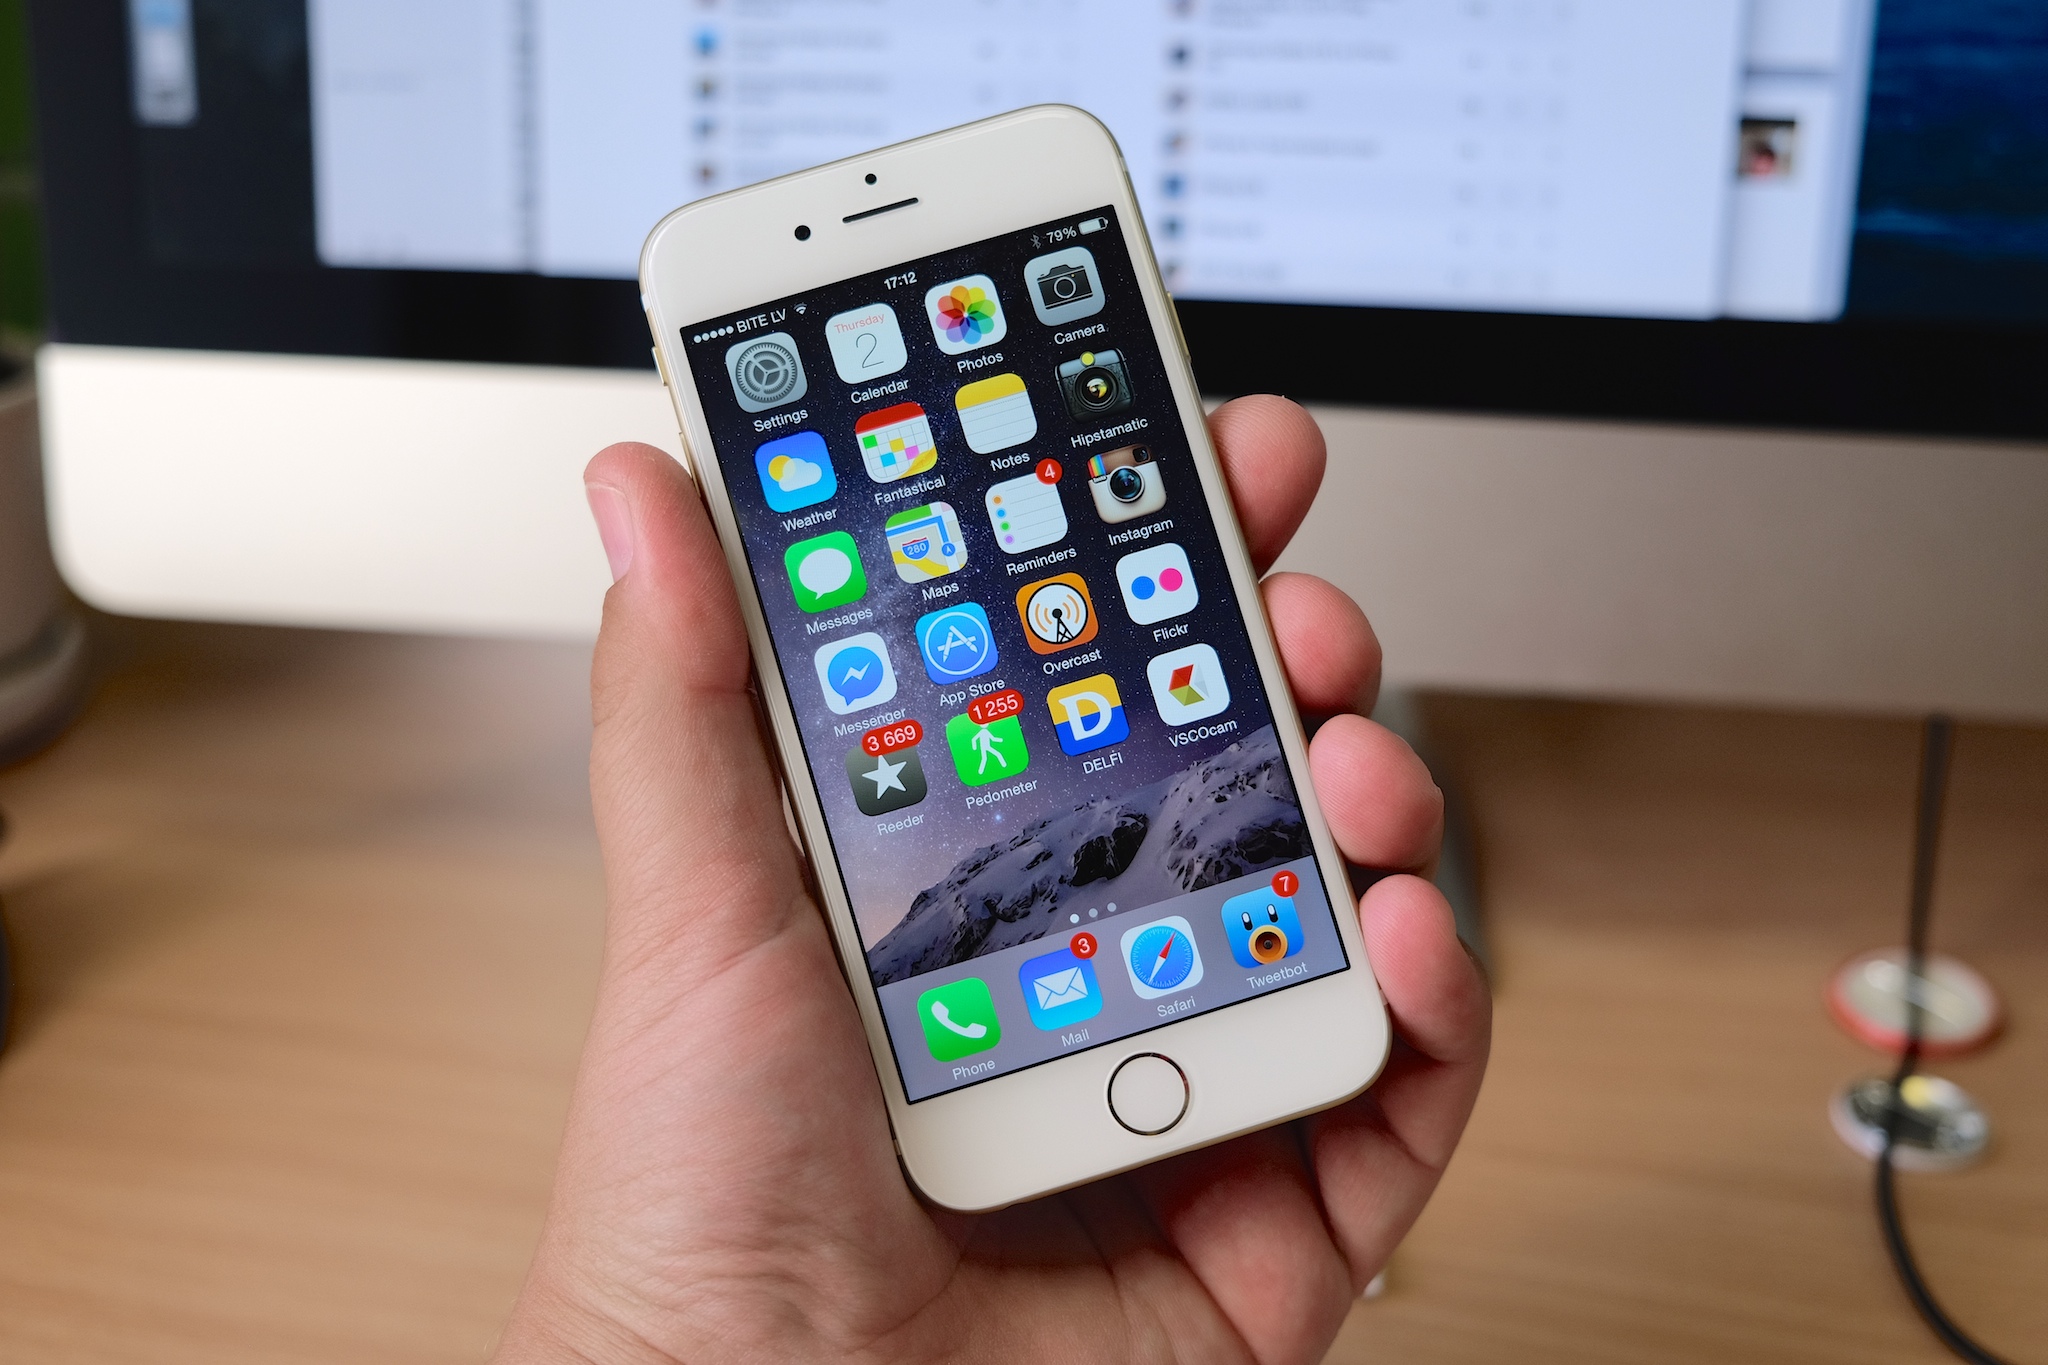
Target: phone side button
1148	1093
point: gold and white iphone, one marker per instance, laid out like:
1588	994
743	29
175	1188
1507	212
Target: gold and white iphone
1035	733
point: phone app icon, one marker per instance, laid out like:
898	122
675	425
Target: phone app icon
1060	990
957	643
1057	613
1125	484
925	542
1088	714
965	314
795	471
866	343
766	371
987	753
885	782
995	413
1026	513
824	571
1063	285
855	673
1157	583
1187	685
895	442
1262	927
959	1019
1162	957
1095	384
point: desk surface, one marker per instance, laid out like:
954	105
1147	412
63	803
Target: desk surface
308	925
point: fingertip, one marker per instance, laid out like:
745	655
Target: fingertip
1434	988
1382	804
1273	456
1329	649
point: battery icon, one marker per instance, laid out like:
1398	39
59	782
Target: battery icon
1094	224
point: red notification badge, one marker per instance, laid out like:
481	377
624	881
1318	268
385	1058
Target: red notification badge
1082	944
1285	883
1049	471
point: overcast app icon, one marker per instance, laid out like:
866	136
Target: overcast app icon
765	371
855	673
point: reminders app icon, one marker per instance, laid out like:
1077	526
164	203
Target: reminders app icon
1060	990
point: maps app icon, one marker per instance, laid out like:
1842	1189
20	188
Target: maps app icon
925	542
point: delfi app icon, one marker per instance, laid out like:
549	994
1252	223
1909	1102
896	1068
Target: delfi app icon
959	1019
795	471
1262	927
957	643
1088	715
1060	990
965	314
855	673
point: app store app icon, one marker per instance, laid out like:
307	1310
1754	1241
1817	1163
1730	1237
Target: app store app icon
957	643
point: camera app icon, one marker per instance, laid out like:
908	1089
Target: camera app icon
1063	285
1095	384
1125	483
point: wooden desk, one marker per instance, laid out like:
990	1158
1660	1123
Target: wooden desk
309	924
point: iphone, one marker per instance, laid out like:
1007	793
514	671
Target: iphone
1035	735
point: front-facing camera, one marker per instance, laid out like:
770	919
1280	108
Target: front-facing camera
803	232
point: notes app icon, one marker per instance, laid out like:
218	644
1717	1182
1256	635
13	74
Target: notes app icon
995	414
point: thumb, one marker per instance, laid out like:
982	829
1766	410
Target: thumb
684	793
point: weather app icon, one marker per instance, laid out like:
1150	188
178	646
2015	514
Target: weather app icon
855	673
795	471
956	643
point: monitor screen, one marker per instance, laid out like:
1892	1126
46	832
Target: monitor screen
1826	212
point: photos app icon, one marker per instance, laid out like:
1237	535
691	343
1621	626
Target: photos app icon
965	314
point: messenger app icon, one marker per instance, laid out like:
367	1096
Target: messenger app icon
1059	990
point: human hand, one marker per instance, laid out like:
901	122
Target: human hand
722	1201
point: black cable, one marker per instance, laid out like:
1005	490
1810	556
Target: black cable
1936	744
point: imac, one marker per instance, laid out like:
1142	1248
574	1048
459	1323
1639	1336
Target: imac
1689	350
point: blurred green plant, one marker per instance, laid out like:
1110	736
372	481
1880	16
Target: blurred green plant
21	244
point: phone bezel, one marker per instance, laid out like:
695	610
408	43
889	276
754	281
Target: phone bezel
1048	1127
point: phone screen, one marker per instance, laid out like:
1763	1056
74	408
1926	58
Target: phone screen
1026	695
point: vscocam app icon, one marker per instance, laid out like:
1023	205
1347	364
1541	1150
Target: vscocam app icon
1188	685
766	371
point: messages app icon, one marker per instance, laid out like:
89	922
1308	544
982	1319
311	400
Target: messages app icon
1060	990
824	571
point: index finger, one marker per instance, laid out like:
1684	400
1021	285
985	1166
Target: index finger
1273	457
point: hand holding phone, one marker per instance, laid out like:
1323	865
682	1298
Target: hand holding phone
727	1182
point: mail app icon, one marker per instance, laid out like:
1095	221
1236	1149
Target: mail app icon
1060	990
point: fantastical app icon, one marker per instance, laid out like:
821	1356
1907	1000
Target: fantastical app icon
895	442
965	314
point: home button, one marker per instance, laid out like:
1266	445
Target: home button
1148	1094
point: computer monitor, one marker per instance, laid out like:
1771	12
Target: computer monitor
342	296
